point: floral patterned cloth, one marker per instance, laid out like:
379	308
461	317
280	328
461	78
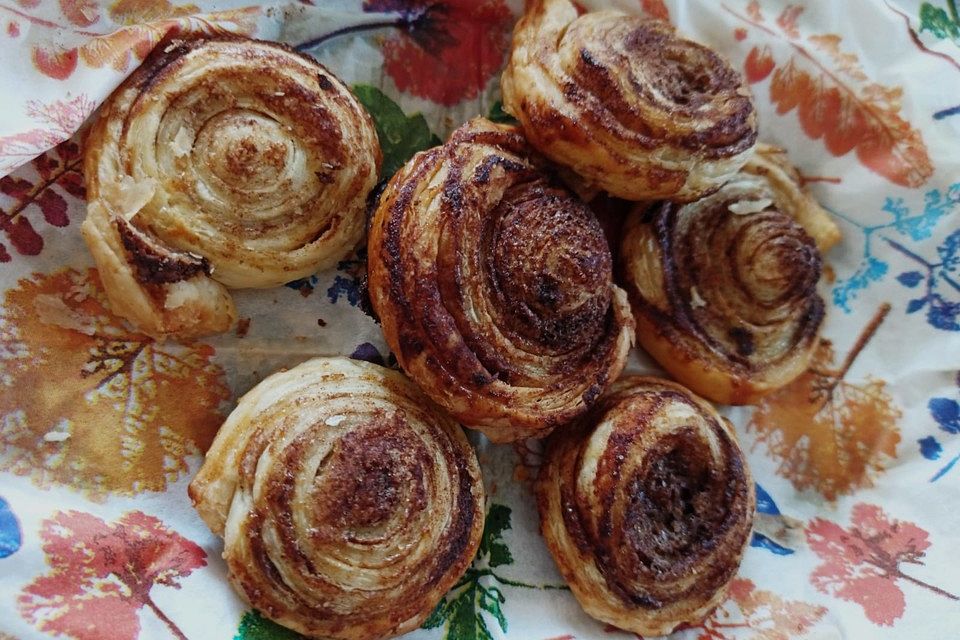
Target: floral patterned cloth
101	427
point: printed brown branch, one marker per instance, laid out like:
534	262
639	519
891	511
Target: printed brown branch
918	42
49	24
865	336
891	565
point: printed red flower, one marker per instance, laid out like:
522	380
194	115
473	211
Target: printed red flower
102	573
447	51
57	64
862	562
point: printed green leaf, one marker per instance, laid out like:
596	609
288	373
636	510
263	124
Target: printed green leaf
937	21
462	609
497	114
254	626
437	617
466	623
490	601
400	135
491	543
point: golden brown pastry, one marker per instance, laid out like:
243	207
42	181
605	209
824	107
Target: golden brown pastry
222	163
493	284
348	503
646	505
724	289
627	103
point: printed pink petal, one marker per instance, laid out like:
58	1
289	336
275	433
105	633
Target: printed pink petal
57	64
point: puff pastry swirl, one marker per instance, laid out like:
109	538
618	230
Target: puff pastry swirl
626	103
348	504
222	163
494	286
646	505
724	289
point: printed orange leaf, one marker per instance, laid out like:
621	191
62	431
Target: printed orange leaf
764	613
787	20
828	434
847	63
759	64
129	44
134	42
129	12
82	13
840	105
54	63
87	402
869	123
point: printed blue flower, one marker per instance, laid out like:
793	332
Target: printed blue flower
949	252
944	315
930	448
10	536
303	285
368	352
348	287
870	270
910	278
763	542
940	298
765	504
946	412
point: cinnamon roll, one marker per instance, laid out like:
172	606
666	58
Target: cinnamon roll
724	289
222	163
493	285
627	103
646	505
348	503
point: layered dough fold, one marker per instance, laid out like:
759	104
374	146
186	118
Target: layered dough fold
724	289
626	103
646	505
348	503
222	163
493	283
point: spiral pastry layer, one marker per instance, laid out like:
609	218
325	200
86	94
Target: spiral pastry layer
627	103
646	505
724	289
222	163
348	503
493	285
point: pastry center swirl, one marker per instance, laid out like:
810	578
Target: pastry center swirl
747	280
676	74
670	488
775	259
245	150
672	507
551	264
371	485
